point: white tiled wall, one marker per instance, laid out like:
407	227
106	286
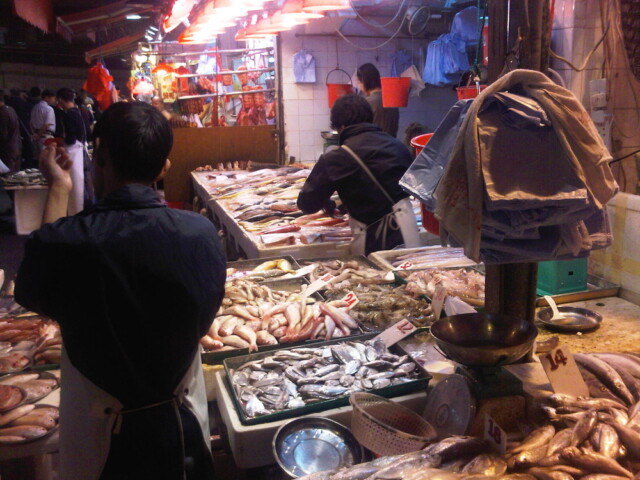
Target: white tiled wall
306	109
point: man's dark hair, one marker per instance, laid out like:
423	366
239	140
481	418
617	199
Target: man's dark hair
138	140
14	92
2	95
369	75
35	92
47	93
349	110
66	94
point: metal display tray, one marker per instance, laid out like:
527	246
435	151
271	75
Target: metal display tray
361	259
384	258
230	364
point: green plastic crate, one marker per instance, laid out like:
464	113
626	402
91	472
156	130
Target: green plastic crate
562	276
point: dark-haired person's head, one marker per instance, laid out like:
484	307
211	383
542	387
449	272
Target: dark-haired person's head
369	77
48	96
349	110
133	141
35	92
66	98
2	100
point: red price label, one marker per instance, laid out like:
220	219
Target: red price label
563	373
556	360
405	266
495	434
397	332
327	277
350	299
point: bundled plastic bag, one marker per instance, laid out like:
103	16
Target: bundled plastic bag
304	67
422	177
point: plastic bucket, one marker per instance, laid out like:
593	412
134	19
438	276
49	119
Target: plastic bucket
337	90
395	91
471	91
420	141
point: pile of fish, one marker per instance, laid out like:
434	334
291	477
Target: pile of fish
380	306
253	315
296	377
264	203
347	273
28	177
277	269
27	422
35	384
615	376
465	283
25	340
429	257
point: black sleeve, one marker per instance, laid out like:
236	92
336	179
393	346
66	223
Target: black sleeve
317	190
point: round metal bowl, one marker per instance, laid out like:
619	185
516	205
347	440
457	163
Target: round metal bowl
483	340
312	444
575	319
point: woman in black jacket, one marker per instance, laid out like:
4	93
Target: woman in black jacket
338	171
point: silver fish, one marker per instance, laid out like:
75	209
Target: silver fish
486	464
328	369
255	407
584	402
629	437
606	374
457	446
593	462
548	474
583	428
539	436
602	476
559	441
381	383
406	464
605	440
527	458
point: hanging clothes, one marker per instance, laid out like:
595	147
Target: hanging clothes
400	61
465	25
99	83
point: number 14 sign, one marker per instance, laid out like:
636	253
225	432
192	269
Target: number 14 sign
563	373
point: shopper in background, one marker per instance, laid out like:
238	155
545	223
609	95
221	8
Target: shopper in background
386	118
386	158
58	111
134	286
34	96
75	140
43	121
10	141
84	104
159	105
23	109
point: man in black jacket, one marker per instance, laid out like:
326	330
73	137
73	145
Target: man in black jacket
337	171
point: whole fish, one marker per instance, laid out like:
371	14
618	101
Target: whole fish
540	436
597	389
602	476
229	325
606	374
430	474
593	462
631	382
407	463
628	363
527	458
486	464
605	440
457	446
547	474
585	402
583	428
246	333
234	341
629	437
559	441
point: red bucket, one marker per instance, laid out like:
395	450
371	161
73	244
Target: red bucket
420	141
471	91
337	90
395	91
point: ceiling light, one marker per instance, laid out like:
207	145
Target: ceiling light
133	16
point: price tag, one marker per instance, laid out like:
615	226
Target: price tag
438	300
317	285
494	434
563	373
351	300
396	332
404	266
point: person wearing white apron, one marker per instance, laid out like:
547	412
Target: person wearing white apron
134	285
365	172
75	139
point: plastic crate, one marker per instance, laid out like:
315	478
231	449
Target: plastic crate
562	276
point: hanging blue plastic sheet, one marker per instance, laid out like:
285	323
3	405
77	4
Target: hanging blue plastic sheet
400	61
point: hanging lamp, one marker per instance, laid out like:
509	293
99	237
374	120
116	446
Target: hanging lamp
324	5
